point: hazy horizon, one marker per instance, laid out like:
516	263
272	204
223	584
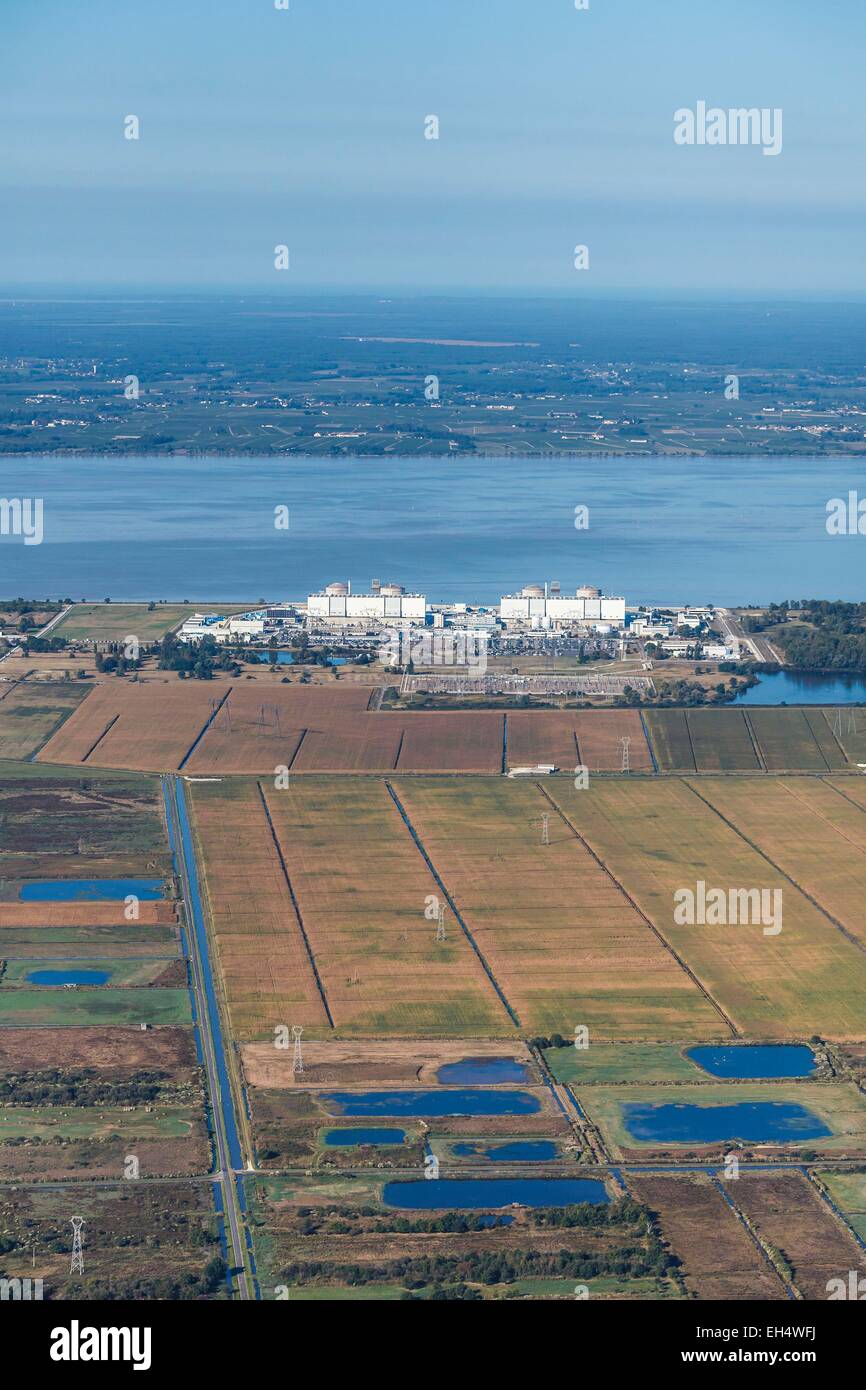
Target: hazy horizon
305	128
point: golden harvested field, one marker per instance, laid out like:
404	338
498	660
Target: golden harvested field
258	730
359	743
811	830
570	739
362	887
657	837
446	742
147	727
564	943
267	976
31	711
54	914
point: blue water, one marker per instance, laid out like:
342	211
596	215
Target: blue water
790	688
758	1122
518	1151
340	1138
454	1194
68	977
288	659
92	890
481	1071
431	1102
453	528
754	1060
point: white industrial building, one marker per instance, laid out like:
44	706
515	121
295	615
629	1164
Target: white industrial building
240	627
386	603
541	605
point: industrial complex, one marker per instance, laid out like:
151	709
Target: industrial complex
536	611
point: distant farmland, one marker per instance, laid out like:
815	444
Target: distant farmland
753	740
657	836
30	712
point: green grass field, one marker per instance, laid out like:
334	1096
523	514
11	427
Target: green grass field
33	711
58	1008
721	741
848	1191
82	1122
840	1105
112	622
151	941
121	973
612	1062
671	743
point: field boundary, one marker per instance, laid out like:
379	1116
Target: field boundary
295	904
729	1023
451	903
92	749
777	868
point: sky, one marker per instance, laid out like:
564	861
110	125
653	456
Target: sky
305	127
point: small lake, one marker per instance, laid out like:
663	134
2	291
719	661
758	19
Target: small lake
288	659
68	977
805	688
454	1194
431	1102
349	1138
754	1061
758	1122
483	1071
517	1151
92	890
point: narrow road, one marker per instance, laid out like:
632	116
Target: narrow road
229	1158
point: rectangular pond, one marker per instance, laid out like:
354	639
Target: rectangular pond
483	1071
92	890
755	1061
513	1151
761	1122
59	978
451	1194
432	1102
351	1138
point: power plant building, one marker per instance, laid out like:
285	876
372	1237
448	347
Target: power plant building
539	604
386	603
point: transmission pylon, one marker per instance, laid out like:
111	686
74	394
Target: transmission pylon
626	756
440	924
837	724
77	1252
297	1055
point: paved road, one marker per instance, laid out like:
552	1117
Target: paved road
220	1096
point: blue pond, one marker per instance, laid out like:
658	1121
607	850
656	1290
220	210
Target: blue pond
758	1122
347	1138
481	1071
754	1060
518	1151
456	1194
805	688
288	659
92	890
431	1102
68	977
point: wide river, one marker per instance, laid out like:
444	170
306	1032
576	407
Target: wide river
726	531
